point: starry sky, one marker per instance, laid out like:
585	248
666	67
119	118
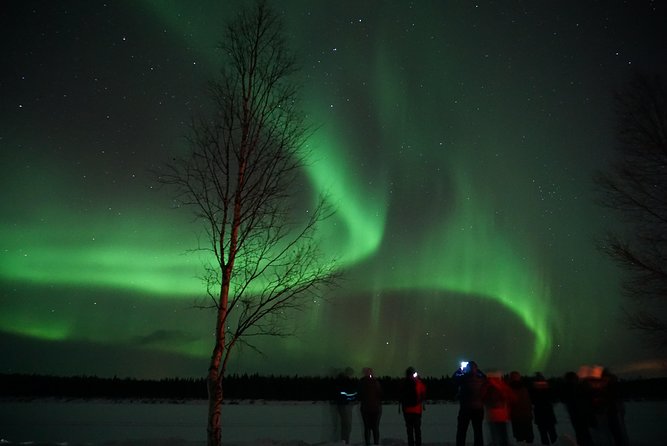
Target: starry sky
456	139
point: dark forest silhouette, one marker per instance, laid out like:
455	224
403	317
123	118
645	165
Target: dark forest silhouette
253	387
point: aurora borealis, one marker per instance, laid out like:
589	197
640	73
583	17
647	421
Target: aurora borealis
456	140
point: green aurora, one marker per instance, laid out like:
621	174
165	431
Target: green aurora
454	199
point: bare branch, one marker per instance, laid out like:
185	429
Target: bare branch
635	186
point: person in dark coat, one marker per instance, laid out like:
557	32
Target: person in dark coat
607	407
472	386
543	407
521	409
615	410
370	399
577	400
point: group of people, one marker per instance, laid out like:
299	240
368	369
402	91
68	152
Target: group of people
505	401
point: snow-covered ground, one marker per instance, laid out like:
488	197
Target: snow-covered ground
47	422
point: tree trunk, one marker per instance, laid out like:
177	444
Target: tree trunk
214	427
216	368
214	387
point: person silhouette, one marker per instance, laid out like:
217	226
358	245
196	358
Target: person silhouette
576	397
543	407
521	409
472	385
413	395
346	395
496	399
370	399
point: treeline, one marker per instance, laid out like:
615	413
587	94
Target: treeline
253	387
236	387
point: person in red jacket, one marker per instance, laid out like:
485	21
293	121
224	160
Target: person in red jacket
496	399
413	396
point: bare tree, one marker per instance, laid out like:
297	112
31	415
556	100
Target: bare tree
636	187
239	177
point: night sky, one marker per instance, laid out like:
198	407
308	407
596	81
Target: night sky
456	139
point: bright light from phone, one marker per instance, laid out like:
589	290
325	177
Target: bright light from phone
464	364
414	375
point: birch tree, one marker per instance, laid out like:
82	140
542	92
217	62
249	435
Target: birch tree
239	178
